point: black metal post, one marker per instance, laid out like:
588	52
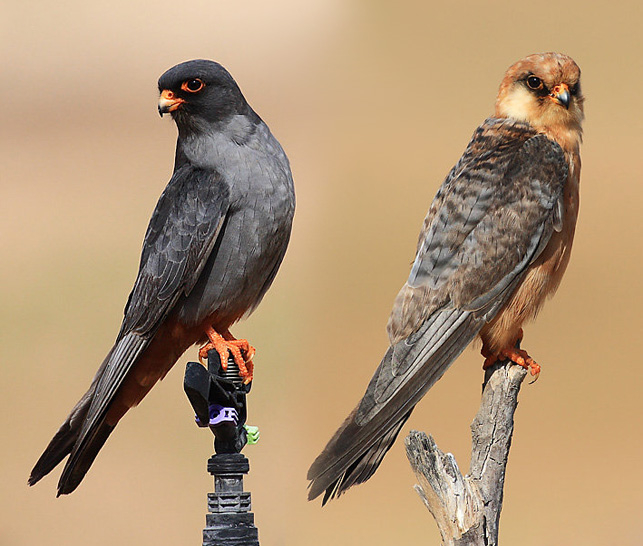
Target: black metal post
219	400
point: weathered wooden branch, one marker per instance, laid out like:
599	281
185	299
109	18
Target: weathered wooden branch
467	508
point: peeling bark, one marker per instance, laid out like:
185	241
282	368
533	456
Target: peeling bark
467	508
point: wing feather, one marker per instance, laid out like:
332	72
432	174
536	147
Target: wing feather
182	233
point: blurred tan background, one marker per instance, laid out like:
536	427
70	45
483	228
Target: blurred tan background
374	102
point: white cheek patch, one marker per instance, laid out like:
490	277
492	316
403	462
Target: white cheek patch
518	104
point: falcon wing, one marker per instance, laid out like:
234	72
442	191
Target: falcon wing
491	218
181	235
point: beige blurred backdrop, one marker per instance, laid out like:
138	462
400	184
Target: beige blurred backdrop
373	102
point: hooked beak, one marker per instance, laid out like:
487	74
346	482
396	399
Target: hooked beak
560	95
168	102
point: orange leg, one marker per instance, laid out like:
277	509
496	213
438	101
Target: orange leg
517	356
242	352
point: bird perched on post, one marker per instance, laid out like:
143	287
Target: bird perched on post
495	243
212	248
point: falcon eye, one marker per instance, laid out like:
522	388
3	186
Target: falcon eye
192	86
534	82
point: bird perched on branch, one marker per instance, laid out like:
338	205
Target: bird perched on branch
213	246
495	243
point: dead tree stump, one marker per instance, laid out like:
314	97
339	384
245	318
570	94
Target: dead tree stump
467	508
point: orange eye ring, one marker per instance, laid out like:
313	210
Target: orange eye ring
193	86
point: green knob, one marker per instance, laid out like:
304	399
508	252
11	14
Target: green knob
253	434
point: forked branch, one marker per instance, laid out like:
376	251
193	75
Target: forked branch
467	508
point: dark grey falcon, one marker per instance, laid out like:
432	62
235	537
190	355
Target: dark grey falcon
212	249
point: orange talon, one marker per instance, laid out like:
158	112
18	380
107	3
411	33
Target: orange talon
516	355
520	357
251	367
489	358
489	361
226	343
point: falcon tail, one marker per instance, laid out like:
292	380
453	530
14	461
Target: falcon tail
85	431
407	371
332	480
63	442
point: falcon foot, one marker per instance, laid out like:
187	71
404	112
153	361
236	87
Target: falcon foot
517	356
241	351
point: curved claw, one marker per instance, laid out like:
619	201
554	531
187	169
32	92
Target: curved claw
250	372
534	369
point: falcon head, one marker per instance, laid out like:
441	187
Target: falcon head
200	93
543	90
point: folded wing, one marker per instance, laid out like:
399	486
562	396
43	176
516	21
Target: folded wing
181	235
